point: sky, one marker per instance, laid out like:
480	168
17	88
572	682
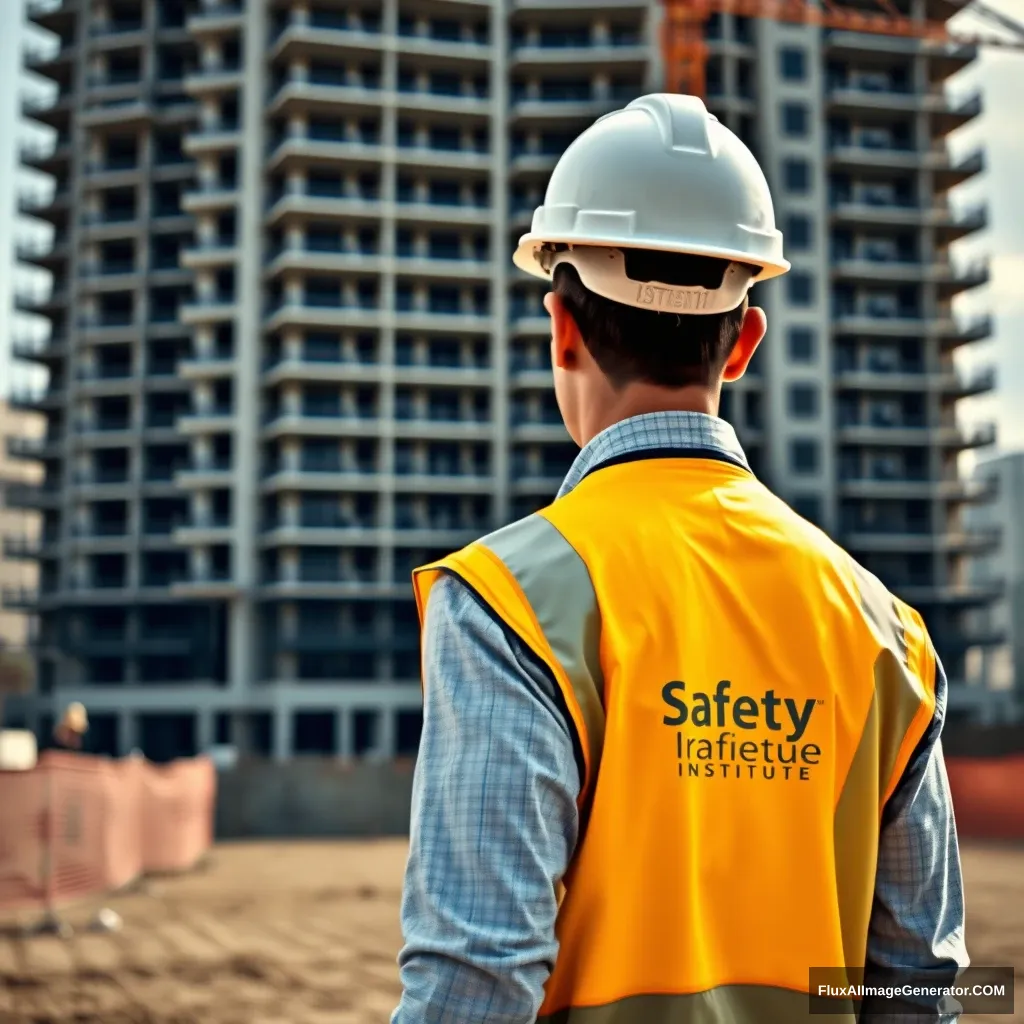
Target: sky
999	74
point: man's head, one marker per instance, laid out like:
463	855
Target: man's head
612	360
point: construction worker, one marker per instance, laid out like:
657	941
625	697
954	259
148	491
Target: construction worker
678	748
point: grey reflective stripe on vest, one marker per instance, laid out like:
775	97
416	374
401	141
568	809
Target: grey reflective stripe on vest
557	585
895	701
727	1004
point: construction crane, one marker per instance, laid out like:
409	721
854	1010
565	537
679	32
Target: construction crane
685	47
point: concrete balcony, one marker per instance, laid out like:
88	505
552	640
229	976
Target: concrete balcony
34	449
206	421
531	325
468	322
529	109
34	496
306	479
38	399
413	212
50	157
88	435
531	379
41	300
444	429
974	542
302	149
442	268
884	271
300	314
93	485
950	113
952	382
298	423
39	350
631	55
949	224
464	159
903	435
210	197
110	331
443	376
19	599
953	332
326	261
533	162
462	50
111	278
124	113
347	371
207	367
210	585
207	531
303	205
215	473
24	548
365	587
965	594
540	431
223	19
51	61
207	310
323	41
213	139
213	81
213	253
291	535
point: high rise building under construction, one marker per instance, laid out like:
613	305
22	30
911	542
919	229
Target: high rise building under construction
290	357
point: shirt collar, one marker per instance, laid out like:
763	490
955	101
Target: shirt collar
672	429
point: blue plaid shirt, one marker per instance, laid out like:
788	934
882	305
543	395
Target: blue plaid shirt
495	824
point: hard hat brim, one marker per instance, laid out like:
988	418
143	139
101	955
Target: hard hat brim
525	257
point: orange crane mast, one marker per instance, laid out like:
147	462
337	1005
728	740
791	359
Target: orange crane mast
685	49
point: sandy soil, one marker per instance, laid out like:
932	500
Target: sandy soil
306	933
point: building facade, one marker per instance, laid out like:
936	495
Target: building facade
19	527
290	357
996	673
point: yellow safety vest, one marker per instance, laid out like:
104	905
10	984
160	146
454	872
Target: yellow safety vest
746	698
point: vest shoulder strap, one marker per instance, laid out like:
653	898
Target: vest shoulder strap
534	580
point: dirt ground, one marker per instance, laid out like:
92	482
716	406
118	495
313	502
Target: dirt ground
307	933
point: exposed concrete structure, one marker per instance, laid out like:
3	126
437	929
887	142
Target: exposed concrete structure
291	358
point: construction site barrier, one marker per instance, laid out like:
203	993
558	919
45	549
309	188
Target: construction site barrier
988	796
77	825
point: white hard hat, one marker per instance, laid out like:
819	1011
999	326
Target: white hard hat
663	174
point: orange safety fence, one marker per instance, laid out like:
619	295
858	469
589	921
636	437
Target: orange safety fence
76	825
988	796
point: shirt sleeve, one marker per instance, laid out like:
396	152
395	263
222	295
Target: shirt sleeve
917	922
494	823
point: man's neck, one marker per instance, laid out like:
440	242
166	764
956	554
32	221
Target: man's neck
637	399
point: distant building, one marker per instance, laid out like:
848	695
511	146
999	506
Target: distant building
290	357
19	527
996	673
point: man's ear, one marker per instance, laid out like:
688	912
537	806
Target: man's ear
566	341
752	330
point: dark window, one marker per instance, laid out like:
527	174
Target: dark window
796	175
803	401
407	732
313	732
800	288
803	457
798	232
793	64
794	119
801	344
364	732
